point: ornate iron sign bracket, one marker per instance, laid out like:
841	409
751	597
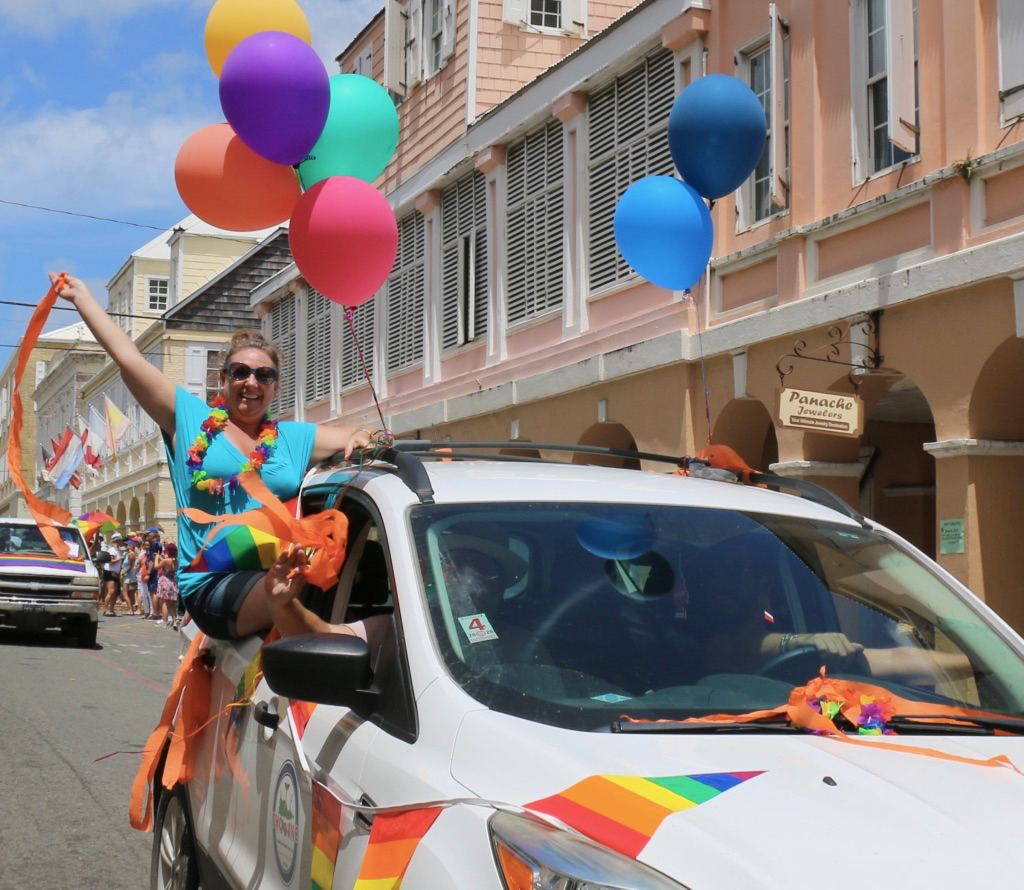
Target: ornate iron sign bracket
868	327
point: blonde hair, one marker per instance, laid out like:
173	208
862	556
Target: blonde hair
250	340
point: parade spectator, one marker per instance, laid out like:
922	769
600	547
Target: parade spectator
167	585
143	568
129	574
112	575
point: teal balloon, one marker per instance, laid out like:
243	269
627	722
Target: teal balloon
360	135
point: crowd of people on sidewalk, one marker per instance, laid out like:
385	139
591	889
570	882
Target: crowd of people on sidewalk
139	572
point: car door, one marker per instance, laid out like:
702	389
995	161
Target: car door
299	762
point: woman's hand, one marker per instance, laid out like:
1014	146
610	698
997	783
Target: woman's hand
360	438
71	289
286	577
837	644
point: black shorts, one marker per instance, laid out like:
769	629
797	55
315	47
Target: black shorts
111	576
215	604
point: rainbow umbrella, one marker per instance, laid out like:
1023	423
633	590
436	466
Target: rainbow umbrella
237	548
104	522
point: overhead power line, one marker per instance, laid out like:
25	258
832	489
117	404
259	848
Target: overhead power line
120	222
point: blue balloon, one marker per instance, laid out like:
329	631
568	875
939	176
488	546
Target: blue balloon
624	536
663	229
716	133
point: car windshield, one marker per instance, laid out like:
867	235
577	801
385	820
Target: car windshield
27	540
574	614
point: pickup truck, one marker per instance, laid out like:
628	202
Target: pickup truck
39	590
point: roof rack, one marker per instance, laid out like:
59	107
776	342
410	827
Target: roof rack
406	455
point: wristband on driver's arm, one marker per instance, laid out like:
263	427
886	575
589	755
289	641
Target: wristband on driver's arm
786	643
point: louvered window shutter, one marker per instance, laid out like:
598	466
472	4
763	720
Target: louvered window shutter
628	141
195	369
357	351
464	261
535	224
405	296
281	321
318	347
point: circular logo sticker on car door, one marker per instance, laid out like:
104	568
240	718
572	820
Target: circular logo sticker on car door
285	821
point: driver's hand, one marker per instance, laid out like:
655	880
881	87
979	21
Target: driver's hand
837	644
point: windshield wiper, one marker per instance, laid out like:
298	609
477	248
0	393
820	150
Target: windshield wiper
937	724
680	726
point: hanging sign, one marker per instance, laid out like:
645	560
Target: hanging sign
838	413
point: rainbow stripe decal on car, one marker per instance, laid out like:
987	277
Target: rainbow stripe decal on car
623	812
14	561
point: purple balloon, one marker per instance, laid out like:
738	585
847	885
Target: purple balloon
275	93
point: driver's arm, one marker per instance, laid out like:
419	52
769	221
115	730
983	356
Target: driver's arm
836	644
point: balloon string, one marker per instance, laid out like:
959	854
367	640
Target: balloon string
350	318
700	347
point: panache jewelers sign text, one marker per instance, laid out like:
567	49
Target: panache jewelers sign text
822	412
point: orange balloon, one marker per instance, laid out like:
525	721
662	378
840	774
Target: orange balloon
225	183
231	21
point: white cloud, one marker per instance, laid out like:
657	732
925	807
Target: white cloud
119	155
50	18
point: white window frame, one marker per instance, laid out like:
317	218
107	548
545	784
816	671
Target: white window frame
363	63
459	246
774	46
406	297
421	63
521	13
535	235
626	140
901	89
1010	31
150	303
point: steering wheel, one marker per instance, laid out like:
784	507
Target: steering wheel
786	663
803	663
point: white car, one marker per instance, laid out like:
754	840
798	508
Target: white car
39	590
578	677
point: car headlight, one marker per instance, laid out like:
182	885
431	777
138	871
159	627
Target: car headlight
534	855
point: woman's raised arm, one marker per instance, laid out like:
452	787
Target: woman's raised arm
151	389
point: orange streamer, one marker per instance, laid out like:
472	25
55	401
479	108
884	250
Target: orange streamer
191	691
800	713
45	514
326	532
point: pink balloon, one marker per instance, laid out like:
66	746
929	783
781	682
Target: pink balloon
344	238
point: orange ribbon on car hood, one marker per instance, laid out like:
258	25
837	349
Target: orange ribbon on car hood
799	712
325	532
45	514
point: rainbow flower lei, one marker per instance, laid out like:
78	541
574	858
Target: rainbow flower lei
211	427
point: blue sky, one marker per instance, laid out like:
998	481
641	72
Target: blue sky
96	98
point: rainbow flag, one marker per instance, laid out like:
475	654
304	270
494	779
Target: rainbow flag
623	812
326	827
301	712
15	561
237	548
393	840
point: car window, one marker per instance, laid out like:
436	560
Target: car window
28	540
573	614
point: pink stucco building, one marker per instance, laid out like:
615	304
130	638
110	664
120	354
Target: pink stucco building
881	234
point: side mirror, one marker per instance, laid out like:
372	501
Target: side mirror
325	668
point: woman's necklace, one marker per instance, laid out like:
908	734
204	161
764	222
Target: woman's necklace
213	426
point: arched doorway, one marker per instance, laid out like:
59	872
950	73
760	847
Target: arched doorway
746	426
608	435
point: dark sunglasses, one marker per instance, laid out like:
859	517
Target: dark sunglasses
265	375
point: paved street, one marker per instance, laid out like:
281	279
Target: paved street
63	710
